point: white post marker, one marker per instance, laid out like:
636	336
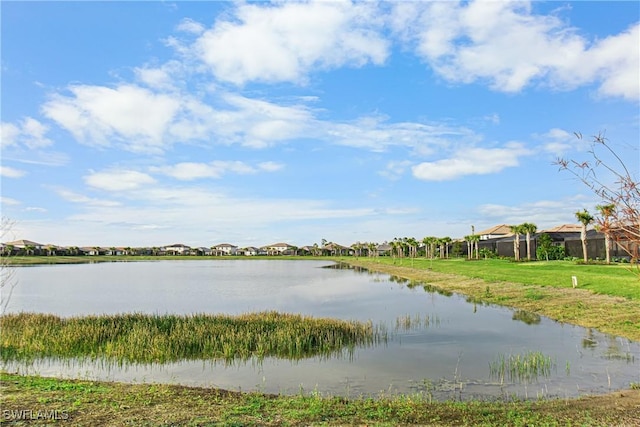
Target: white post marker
574	281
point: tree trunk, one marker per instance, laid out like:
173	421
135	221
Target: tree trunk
583	237
607	247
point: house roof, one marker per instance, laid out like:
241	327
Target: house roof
499	230
225	245
564	228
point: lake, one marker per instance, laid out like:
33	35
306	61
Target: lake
440	345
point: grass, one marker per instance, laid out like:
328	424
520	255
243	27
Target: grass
141	338
521	368
607	298
90	403
614	279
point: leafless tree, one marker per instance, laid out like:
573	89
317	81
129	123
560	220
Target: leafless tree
7	273
607	175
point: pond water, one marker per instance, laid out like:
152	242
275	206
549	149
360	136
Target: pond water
440	345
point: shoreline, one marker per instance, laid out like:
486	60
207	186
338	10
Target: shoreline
608	314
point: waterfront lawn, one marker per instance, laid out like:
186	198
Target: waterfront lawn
91	403
615	279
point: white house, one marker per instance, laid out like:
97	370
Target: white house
248	251
279	249
224	249
177	249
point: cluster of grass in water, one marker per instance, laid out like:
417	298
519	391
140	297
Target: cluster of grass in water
143	338
415	322
520	368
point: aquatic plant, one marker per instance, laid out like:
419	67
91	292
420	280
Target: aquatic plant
521	367
409	323
144	338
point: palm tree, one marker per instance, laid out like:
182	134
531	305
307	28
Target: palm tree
413	247
469	249
445	241
475	238
585	218
516	230
373	249
8	250
31	249
606	212
528	229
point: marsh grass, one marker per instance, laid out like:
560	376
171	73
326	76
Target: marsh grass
143	338
411	323
521	368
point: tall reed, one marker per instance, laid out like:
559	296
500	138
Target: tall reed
521	367
144	338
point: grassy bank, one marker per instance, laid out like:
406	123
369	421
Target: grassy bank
607	297
141	338
88	403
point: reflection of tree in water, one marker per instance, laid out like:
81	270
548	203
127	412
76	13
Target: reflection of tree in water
589	341
398	279
526	317
615	350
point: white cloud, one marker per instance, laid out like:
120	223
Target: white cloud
9	133
615	61
270	166
285	41
9	201
10	172
483	41
376	134
74	197
163	77
118	180
28	133
543	213
35	209
133	115
471	161
188	171
557	141
188	25
395	169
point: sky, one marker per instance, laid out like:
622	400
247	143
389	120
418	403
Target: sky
250	123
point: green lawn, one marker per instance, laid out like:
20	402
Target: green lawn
616	279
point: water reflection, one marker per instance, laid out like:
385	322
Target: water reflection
527	317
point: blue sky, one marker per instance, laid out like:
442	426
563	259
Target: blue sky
151	123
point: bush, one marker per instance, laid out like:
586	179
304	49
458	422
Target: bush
550	253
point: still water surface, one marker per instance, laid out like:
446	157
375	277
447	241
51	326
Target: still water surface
439	345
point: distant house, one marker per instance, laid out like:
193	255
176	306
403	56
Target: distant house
384	249
336	249
177	249
202	251
248	251
92	250
279	249
224	249
307	250
495	232
27	246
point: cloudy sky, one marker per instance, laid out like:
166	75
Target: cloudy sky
151	123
